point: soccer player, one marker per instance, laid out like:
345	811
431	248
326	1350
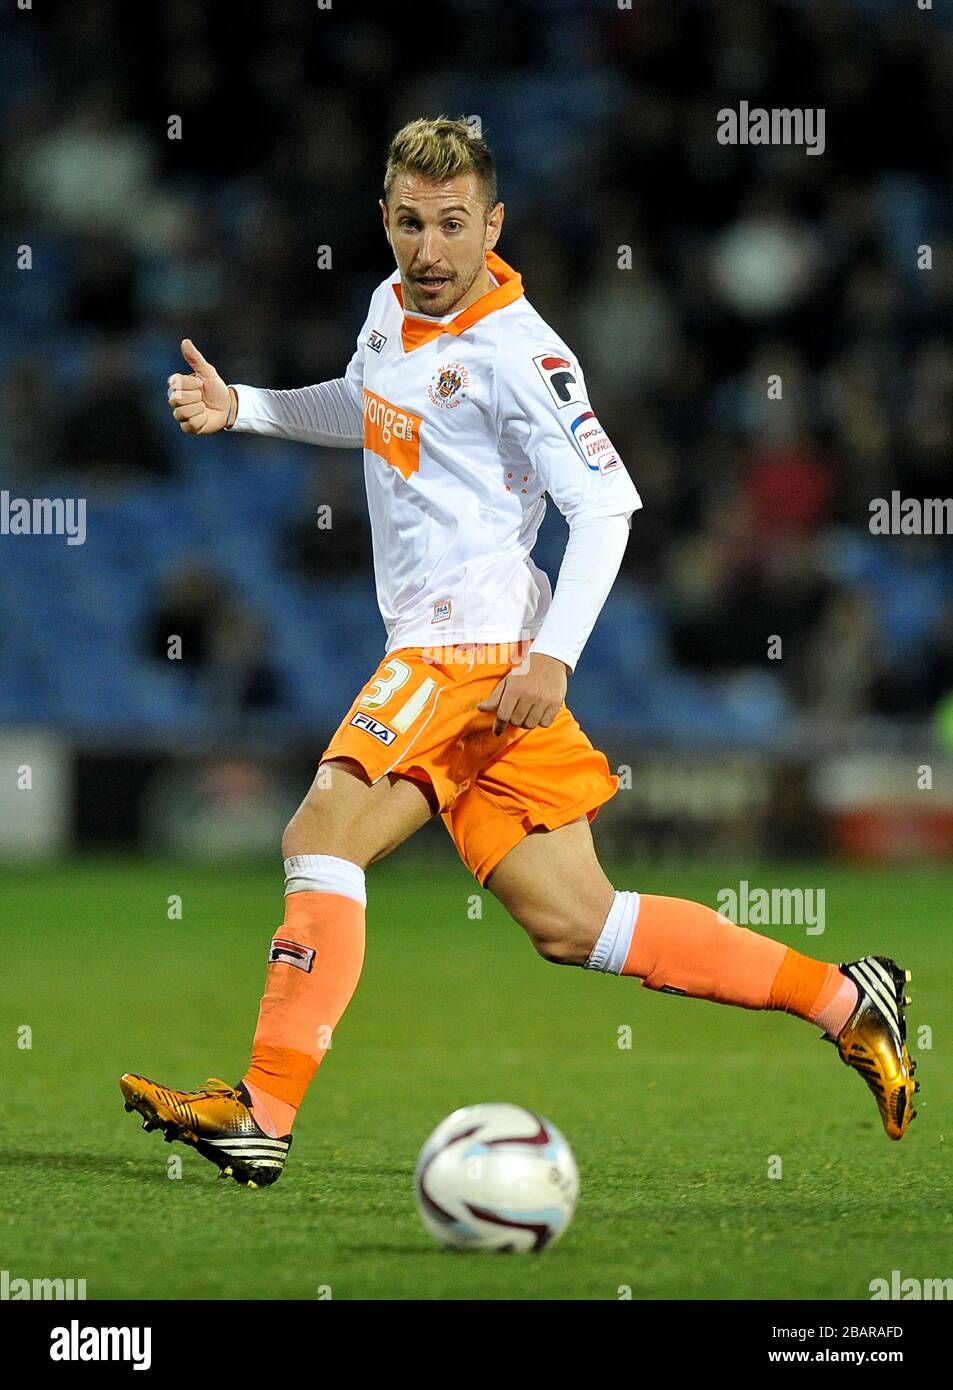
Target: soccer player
470	408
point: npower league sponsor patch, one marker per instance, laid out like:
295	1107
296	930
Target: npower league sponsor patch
594	444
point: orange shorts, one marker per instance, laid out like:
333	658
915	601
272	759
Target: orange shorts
418	717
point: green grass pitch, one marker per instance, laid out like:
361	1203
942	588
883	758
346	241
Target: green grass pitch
673	1137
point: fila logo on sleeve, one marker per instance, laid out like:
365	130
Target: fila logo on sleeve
594	444
289	952
561	380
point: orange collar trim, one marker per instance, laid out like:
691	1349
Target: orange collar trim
417	331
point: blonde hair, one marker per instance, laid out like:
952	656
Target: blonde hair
439	150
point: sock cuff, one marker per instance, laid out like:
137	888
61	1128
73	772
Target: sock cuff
281	1072
610	951
325	873
802	985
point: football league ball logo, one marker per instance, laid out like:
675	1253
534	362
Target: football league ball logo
448	386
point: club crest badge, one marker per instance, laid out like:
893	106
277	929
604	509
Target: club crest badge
449	385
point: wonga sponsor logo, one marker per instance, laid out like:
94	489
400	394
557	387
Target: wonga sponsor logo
392	433
594	444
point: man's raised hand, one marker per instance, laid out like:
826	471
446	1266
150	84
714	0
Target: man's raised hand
199	398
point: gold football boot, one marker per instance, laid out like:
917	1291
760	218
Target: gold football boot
873	1040
217	1120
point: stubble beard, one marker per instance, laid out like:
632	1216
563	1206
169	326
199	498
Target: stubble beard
447	301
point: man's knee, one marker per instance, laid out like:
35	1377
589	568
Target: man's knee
322	822
305	834
552	884
562	938
346	815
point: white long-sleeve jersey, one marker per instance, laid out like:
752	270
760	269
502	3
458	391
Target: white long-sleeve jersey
466	422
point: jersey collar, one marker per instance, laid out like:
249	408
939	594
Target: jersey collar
416	331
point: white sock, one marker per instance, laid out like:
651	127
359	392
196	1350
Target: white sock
323	873
610	951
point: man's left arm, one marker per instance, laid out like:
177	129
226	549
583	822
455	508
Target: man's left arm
545	415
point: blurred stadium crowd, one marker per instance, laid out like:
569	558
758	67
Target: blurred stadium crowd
741	263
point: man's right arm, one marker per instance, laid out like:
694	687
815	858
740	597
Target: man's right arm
330	413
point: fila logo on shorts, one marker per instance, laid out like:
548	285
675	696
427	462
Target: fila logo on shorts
372	726
291	954
594	444
561	381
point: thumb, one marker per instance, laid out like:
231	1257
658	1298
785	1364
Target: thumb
194	358
494	697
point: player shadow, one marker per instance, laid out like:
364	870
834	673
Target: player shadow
357	1171
135	1170
439	1256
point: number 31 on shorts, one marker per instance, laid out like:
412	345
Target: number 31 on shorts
391	678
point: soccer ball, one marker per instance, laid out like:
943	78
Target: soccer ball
496	1177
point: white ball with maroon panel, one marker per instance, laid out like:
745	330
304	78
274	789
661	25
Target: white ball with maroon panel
496	1177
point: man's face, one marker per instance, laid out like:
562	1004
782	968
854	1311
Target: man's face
440	234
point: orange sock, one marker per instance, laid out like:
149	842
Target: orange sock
682	947
315	962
